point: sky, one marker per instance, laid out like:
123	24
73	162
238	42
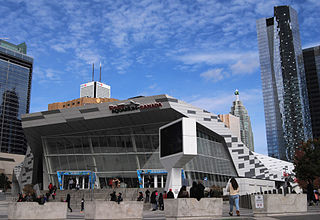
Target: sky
196	51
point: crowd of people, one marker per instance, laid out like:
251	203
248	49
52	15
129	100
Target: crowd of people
31	196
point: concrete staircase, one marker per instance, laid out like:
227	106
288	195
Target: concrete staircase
128	194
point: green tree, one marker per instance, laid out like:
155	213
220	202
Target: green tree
4	182
307	161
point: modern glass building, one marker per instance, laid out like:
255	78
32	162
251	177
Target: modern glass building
311	57
15	87
95	143
284	86
238	109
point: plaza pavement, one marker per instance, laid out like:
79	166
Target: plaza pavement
313	214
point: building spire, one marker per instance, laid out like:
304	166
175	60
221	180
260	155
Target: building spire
100	73
92	72
237	94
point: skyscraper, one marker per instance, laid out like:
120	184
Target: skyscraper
15	87
311	58
240	111
284	89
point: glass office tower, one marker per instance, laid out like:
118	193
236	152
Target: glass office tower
285	95
15	86
240	111
311	57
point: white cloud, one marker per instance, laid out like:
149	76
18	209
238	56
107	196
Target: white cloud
238	63
244	66
213	75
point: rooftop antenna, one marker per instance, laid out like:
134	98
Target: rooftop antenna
100	73
92	72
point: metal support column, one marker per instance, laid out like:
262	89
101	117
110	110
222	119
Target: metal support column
155	181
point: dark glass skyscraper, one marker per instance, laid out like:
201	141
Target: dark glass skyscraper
311	57
15	87
285	95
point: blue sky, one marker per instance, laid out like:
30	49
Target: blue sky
197	51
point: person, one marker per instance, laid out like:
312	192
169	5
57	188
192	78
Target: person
147	180
54	190
68	201
50	187
41	200
110	181
164	194
82	205
70	183
119	199
170	194
20	197
140	197
233	189
194	190
47	197
200	189
183	193
147	196
113	196
310	192
154	200
160	201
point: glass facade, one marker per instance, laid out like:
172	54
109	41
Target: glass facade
285	96
311	58
240	111
120	153
15	86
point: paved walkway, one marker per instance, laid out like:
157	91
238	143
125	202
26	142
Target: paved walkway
313	214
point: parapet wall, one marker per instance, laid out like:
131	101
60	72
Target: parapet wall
32	210
111	210
190	208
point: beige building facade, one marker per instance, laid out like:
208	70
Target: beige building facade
232	122
78	102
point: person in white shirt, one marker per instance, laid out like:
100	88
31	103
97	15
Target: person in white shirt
233	189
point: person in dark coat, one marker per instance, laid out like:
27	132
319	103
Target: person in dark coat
82	205
170	194
200	193
147	195
194	190
160	201
113	196
68	201
119	199
183	193
310	193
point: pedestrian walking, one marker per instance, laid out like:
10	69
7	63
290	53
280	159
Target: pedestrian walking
154	200
82	205
68	201
160	202
233	189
